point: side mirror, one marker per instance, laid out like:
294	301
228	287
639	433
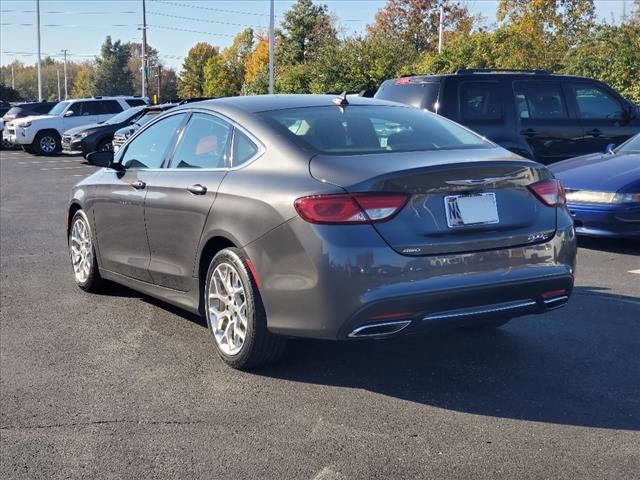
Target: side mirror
69	113
103	158
609	148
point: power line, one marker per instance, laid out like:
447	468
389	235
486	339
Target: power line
65	25
60	12
192	31
205	20
223	10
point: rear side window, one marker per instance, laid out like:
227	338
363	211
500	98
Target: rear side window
596	103
480	101
111	106
416	94
540	100
371	129
203	144
135	102
243	148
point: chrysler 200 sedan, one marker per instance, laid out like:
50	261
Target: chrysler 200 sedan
322	216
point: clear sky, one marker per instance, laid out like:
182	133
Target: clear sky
80	26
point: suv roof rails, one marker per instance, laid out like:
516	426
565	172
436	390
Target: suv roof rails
461	71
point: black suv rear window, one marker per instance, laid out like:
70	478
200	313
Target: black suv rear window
371	129
423	94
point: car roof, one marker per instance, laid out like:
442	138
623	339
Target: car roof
533	75
262	103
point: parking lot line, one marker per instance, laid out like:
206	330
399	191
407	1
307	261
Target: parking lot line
637	272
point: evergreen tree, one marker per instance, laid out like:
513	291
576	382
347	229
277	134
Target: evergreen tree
112	75
191	82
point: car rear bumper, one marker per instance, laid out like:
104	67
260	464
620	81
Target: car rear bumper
326	281
613	221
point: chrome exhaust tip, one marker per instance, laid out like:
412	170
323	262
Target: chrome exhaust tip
382	329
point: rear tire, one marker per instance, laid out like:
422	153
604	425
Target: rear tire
83	254
47	143
235	314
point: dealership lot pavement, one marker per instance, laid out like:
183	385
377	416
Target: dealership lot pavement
119	385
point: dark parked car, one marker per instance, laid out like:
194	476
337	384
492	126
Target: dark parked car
20	110
320	216
603	191
532	113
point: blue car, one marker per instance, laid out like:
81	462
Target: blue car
603	190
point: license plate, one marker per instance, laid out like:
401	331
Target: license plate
478	209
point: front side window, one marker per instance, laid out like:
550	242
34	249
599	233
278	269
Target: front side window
595	103
203	144
243	148
371	129
91	108
540	100
480	101
148	150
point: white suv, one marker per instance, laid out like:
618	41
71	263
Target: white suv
41	134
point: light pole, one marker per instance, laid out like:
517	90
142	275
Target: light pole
144	49
64	51
271	43
58	75
440	28
39	68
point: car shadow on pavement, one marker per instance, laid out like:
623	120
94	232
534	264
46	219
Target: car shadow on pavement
615	245
575	366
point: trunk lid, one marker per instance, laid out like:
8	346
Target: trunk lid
435	180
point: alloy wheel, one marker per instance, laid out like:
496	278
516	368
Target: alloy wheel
81	249
48	144
227	308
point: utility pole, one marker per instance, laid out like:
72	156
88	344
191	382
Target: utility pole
64	51
144	49
271	43
13	76
39	67
440	28
159	81
59	92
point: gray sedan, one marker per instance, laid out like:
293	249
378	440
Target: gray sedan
325	217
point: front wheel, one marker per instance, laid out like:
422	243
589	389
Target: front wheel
83	254
47	143
235	314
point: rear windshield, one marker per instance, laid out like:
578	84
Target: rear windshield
135	102
127	115
371	129
416	94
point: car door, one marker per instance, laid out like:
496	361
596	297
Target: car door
602	116
119	203
543	120
179	201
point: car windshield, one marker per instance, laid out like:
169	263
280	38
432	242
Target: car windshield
630	146
124	116
354	130
59	108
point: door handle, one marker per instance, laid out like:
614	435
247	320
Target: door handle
529	132
138	185
197	189
594	133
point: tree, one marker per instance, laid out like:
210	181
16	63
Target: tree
306	27
416	22
135	65
225	73
82	86
8	94
112	75
192	79
256	76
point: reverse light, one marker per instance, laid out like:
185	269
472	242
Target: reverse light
549	192
354	208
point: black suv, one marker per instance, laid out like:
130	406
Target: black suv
20	110
533	113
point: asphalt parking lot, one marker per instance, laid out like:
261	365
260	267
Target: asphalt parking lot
119	385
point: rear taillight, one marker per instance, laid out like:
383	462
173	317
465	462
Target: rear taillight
354	208
550	192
